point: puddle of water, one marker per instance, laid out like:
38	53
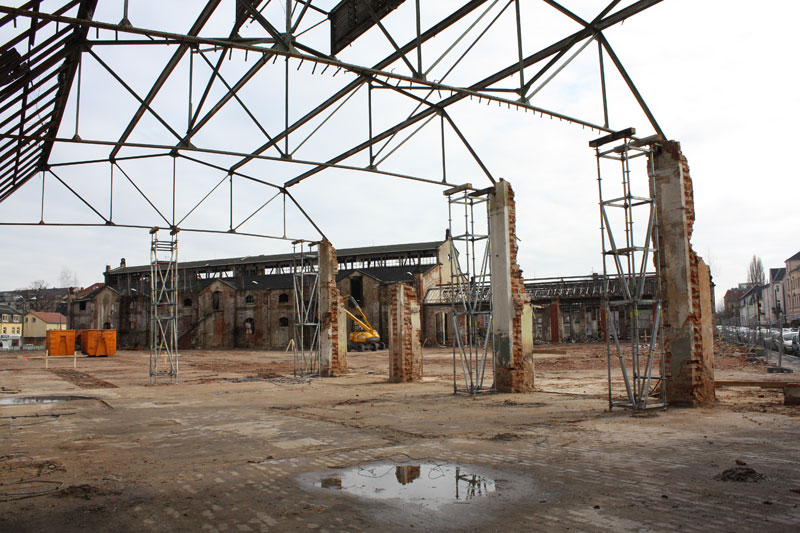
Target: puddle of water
29	400
427	484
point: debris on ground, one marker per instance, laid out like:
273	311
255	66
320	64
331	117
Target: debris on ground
741	474
85	491
506	436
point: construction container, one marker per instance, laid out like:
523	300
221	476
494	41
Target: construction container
98	342
60	342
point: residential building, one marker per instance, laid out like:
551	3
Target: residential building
731	302
10	328
37	323
773	301
53	300
792	285
750	306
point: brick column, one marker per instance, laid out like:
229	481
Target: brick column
405	351
601	320
555	321
582	327
333	330
512	350
685	283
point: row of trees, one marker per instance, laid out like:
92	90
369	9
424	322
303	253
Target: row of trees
38	296
66	278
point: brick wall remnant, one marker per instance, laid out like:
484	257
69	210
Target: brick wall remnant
513	346
333	332
685	282
405	351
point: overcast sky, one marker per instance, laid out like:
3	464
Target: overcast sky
720	77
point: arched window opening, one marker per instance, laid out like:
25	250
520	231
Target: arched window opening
215	300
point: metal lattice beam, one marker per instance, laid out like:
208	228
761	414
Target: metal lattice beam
40	69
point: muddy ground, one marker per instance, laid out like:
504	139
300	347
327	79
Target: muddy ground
239	444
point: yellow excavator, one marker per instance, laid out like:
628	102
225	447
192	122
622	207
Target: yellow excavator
365	337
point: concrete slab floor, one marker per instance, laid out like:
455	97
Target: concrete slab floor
240	445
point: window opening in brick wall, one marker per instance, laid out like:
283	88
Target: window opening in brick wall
215	300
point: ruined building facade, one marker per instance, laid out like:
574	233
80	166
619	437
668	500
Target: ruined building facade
247	302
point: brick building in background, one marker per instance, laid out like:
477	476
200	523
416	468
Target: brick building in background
246	302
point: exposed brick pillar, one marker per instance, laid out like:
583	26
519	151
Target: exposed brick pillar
555	321
582	326
405	351
685	282
601	320
333	330
513	350
545	322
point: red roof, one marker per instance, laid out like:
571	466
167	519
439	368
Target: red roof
88	290
50	318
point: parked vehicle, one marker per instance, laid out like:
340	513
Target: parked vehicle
787	342
796	344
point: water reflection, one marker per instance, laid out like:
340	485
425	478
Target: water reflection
30	400
406	474
429	484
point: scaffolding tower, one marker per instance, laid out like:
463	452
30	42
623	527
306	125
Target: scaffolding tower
628	227
470	290
163	306
305	322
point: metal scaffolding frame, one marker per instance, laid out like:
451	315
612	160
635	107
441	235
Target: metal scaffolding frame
470	291
163	306
630	251
305	319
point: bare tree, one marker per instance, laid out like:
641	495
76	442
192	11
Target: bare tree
755	272
67	278
37	295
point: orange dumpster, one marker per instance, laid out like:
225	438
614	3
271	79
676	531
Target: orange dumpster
99	342
60	342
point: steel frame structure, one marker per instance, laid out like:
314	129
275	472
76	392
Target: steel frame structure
305	321
642	372
47	51
42	70
471	291
163	306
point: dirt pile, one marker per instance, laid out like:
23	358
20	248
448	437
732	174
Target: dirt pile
741	474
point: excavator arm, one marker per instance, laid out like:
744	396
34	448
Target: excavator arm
368	326
366	339
364	326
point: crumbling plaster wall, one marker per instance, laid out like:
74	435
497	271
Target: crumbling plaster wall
685	282
512	316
